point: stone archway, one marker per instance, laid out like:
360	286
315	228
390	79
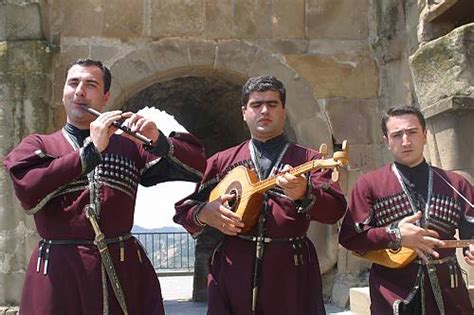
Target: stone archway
232	61
199	83
208	107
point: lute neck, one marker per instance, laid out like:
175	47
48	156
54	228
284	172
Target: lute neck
456	243
270	182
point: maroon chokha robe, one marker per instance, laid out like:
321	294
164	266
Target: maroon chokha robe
378	200
46	171
284	287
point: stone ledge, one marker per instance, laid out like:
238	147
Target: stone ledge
9	310
449	10
360	300
453	103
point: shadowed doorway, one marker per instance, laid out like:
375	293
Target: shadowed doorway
209	108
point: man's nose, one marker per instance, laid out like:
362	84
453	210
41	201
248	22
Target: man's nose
264	108
405	139
80	90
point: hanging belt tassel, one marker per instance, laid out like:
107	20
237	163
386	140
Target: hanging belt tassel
295	255
38	261
122	251
451	275
456	275
46	258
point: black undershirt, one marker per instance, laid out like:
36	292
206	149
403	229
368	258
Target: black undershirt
78	135
267	153
416	181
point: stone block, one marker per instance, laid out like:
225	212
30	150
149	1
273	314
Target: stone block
365	157
338	75
20	22
288	19
327	280
77	18
397	87
70	52
329	47
176	17
169	54
448	123
117	96
354	120
284	46
4	89
118	24
443	68
337	19
202	53
105	52
218	19
3	26
302	102
253	19
327	250
59	116
22	57
343	284
313	131
236	55
360	300
136	70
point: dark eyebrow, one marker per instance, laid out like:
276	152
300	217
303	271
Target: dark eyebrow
88	81
263	101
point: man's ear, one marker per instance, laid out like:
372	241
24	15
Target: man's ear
243	112
385	140
106	97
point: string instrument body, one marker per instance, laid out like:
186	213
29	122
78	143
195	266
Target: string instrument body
248	190
402	257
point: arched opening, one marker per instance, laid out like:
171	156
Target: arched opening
209	108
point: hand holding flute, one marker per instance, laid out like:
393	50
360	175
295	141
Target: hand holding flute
139	129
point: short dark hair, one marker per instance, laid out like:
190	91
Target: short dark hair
106	75
399	111
262	84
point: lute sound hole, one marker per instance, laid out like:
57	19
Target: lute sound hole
233	190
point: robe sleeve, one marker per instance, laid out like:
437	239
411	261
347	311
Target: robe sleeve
186	209
36	174
466	228
327	202
183	160
357	233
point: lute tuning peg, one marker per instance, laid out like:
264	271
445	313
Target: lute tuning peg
323	150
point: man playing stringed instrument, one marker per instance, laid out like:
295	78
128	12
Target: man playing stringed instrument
414	205
271	268
80	183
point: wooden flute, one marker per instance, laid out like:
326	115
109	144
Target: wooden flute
118	125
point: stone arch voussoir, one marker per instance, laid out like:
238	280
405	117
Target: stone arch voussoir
232	60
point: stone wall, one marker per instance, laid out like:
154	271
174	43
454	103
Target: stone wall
343	63
25	65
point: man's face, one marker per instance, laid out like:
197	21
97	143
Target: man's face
264	114
405	139
84	86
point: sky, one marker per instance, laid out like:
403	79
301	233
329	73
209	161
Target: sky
155	205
